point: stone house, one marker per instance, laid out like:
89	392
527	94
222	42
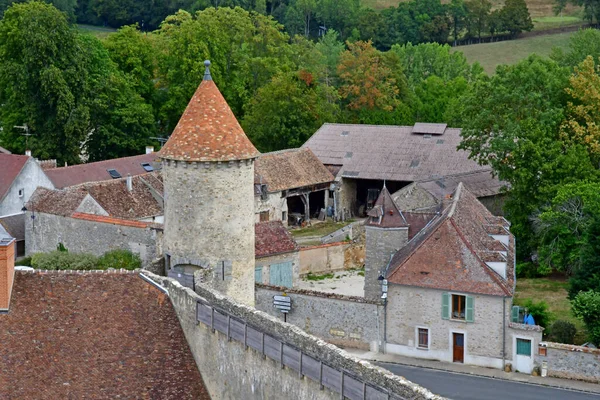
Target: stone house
20	176
290	183
448	290
363	157
277	257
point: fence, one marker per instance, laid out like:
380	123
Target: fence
339	381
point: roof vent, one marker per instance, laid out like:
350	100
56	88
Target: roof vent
147	167
344	133
113	173
414	163
440	141
349	154
427	136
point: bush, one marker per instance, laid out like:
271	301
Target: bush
62	260
538	310
528	270
25	261
563	332
586	306
120	259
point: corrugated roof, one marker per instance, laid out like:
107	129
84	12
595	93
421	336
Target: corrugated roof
10	167
272	238
289	169
390	152
450	252
208	130
98	171
76	335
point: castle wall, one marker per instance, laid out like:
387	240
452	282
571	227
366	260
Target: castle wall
209	222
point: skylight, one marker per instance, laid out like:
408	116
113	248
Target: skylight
147	167
113	173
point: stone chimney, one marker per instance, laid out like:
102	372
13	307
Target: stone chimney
7	271
129	183
149	149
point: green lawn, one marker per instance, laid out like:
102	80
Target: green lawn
551	22
98	31
490	55
554	293
319	229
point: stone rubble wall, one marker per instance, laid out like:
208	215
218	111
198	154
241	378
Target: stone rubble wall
570	361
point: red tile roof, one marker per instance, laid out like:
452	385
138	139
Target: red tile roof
386	209
208	131
75	335
10	167
111	220
97	171
272	238
290	169
57	202
450	253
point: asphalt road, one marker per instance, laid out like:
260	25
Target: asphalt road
468	387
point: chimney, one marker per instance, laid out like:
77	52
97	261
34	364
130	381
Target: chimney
149	149
129	183
28	153
7	271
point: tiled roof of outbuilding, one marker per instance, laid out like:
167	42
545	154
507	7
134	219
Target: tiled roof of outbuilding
208	130
450	253
10	167
272	238
393	153
75	335
289	169
57	202
98	171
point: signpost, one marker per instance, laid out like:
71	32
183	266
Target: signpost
283	304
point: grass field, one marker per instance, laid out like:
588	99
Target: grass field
490	55
98	31
319	229
554	293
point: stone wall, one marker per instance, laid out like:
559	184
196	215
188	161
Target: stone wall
381	244
342	320
571	362
266	262
233	371
209	222
346	197
45	231
274	204
323	258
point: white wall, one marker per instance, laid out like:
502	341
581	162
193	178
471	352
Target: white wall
29	179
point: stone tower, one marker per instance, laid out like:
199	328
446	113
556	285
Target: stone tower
386	232
208	174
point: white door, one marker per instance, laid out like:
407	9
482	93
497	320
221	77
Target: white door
523	356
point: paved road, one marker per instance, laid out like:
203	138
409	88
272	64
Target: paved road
468	387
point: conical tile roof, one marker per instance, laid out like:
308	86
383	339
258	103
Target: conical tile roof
208	130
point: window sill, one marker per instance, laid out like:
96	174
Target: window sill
422	348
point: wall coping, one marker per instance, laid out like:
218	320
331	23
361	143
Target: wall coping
314	293
523	327
116	221
293	335
570	347
321	246
79	272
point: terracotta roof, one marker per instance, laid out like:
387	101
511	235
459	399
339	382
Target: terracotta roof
272	238
393	153
57	202
384	213
289	169
98	171
10	165
75	335
451	251
208	130
14	225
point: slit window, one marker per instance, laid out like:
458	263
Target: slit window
114	173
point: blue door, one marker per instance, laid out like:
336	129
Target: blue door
281	274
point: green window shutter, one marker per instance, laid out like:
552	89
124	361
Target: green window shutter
445	305
469	314
258	275
515	314
524	347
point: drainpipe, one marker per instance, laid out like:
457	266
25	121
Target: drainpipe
385	306
504	333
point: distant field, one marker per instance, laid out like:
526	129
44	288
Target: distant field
98	31
490	55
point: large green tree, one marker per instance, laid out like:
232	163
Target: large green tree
515	17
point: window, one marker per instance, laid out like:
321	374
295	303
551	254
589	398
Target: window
284	216
423	338
21	192
524	347
264	216
458	306
113	173
147	167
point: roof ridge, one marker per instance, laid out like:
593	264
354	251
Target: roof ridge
455	199
109	271
284	151
98	162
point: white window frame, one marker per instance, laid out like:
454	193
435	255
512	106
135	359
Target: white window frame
417	338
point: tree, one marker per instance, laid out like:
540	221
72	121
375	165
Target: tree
307	8
458	13
338	14
583	43
287	111
515	17
478	13
586	306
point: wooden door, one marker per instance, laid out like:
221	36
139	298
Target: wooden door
458	348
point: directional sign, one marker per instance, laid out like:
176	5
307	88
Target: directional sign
282	303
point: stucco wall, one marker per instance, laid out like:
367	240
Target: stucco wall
380	244
342	320
209	219
29	179
322	258
571	362
43	234
274	204
412	307
265	263
231	371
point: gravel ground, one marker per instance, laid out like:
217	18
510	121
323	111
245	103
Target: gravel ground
347	283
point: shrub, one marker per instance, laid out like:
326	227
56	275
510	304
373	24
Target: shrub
563	332
119	258
586	306
62	260
528	270
25	261
538	310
